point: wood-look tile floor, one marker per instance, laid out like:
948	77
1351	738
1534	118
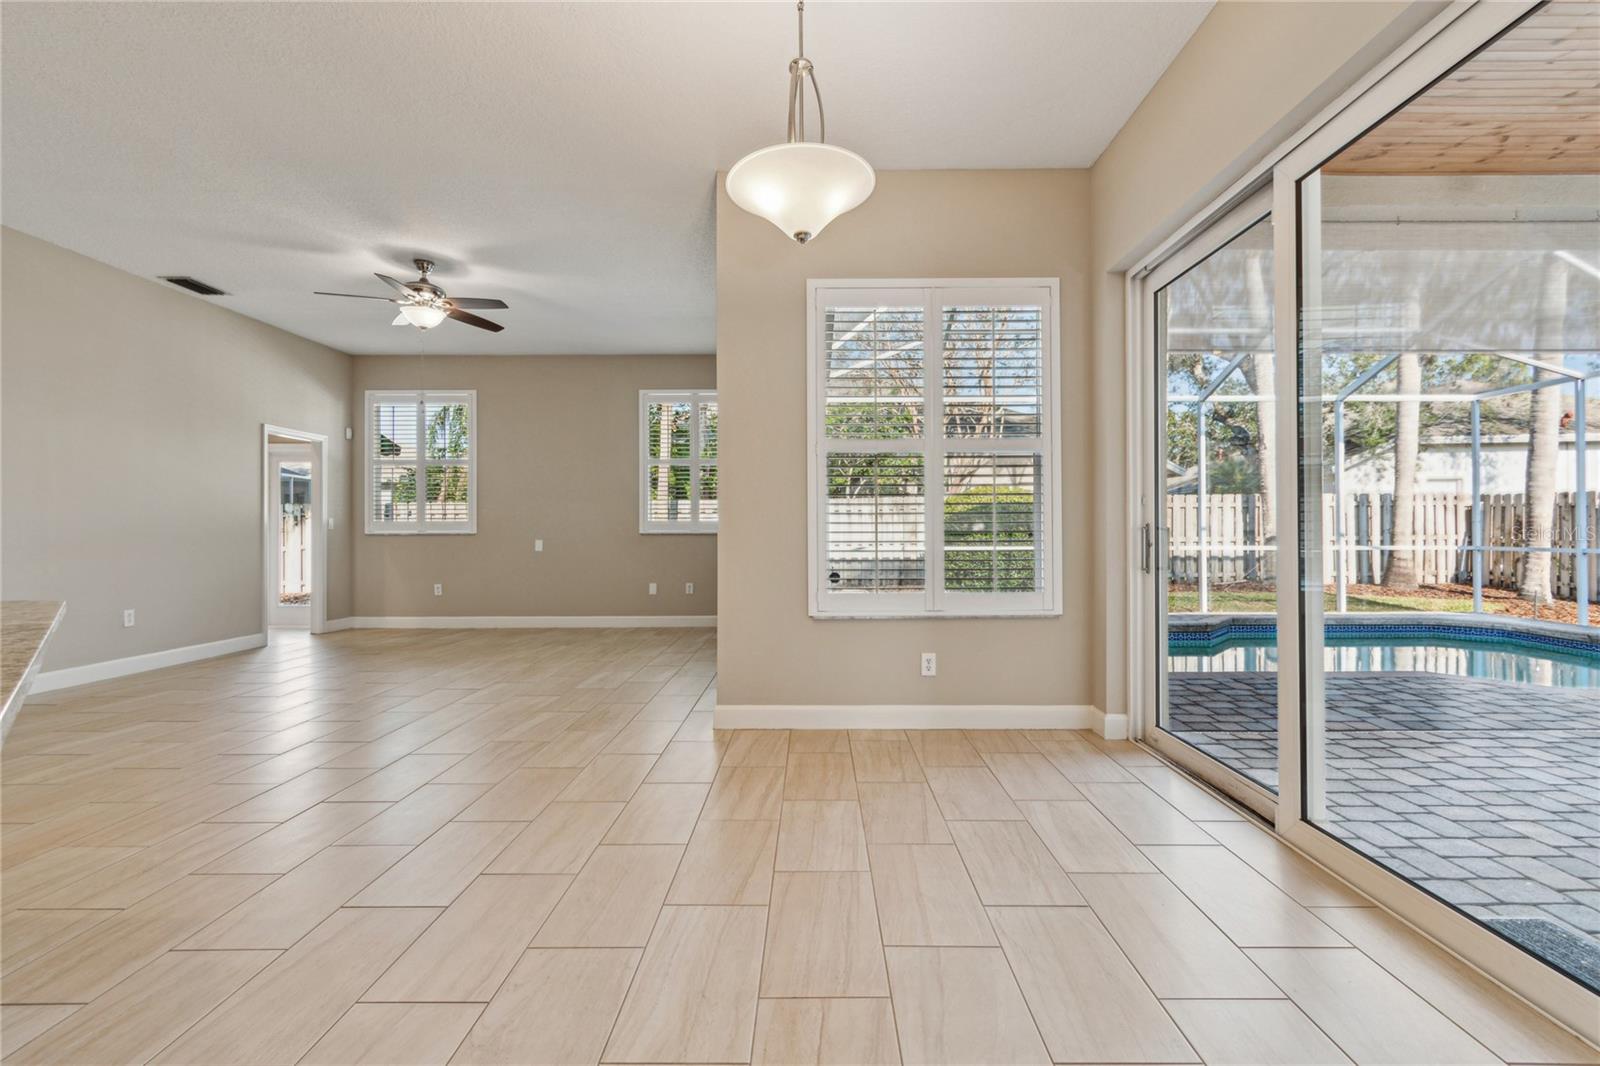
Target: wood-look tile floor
532	847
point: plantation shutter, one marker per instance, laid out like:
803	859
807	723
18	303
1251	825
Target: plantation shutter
420	455
678	455
931	491
874	420
994	492
393	452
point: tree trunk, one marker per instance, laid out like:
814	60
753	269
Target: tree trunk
1401	572
1544	436
1259	371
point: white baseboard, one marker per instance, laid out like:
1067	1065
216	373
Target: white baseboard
508	621
72	676
907	716
1112	726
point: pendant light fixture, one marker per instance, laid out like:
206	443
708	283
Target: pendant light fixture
801	186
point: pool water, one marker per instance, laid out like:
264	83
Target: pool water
1498	659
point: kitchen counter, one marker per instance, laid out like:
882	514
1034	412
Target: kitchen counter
25	627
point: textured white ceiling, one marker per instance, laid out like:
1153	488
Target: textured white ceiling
559	156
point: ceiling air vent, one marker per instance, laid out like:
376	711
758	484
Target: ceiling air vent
194	285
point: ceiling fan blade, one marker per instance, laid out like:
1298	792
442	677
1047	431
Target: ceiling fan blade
473	320
478	303
399	286
358	296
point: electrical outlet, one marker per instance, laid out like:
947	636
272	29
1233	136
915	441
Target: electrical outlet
127	618
930	664
538	545
438	590
688	588
652	588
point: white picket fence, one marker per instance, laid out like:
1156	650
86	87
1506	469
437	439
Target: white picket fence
1237	551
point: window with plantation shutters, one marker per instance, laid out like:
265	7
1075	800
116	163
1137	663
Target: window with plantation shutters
678	461
421	461
933	448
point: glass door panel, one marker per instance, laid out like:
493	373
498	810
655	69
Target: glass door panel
1449	391
1218	552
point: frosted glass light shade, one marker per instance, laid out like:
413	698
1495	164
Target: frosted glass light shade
801	186
422	315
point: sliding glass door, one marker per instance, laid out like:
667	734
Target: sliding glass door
1370	599
1448	383
1214	540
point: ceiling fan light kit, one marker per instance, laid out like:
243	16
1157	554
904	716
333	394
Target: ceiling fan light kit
423	316
801	186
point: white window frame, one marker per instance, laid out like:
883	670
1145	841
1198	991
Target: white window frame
933	601
694	398
422	397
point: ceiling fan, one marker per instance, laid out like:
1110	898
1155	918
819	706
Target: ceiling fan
424	305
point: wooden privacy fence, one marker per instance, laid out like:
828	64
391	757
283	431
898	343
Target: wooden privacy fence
294	556
1238	551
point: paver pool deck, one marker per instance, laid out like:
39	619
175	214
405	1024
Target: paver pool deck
1487	793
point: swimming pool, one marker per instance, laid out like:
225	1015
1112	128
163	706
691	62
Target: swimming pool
1500	652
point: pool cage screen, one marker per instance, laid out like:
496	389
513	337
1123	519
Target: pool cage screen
1505	292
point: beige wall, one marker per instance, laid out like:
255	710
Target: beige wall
132	414
917	224
131	453
132	463
559	441
1250	76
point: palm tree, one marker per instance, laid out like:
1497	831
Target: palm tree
1544	435
1259	374
1401	572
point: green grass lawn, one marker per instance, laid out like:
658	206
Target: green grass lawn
1244	601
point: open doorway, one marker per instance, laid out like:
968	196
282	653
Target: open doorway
294	525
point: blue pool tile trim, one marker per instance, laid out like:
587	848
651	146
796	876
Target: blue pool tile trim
1206	634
